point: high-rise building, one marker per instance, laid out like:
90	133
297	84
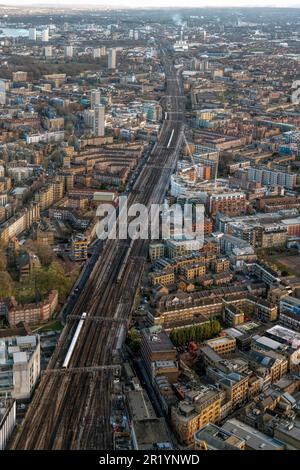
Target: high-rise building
32	34
95	98
48	51
2	92
45	35
69	51
99	121
112	58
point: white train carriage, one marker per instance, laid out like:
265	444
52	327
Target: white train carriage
74	341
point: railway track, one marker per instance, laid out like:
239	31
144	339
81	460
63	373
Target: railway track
72	410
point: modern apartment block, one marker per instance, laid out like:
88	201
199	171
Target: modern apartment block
19	365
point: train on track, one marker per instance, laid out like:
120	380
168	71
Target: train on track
74	341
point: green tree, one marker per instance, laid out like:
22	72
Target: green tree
134	340
6	285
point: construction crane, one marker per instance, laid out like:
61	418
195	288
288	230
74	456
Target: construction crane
191	156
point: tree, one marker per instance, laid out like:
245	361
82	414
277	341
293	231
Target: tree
198	333
6	285
44	253
133	340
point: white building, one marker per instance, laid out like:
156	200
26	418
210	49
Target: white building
112	58
45	35
7	420
69	51
47	137
99	121
19	365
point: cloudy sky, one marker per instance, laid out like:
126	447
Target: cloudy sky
157	3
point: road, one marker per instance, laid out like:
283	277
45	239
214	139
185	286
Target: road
71	407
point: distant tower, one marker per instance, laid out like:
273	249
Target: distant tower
45	35
99	121
69	51
32	34
112	58
95	98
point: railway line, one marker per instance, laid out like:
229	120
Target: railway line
71	407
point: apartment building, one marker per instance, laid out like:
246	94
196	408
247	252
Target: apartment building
19	223
269	177
188	417
161	277
222	345
193	270
290	312
220	264
79	248
233	315
177	248
234	384
231	204
33	313
48	196
156	250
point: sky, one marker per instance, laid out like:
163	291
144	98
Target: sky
156	3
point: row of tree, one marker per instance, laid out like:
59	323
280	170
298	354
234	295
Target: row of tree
197	333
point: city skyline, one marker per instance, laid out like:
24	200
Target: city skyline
155	3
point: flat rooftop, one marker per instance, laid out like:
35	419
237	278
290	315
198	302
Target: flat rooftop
151	433
139	405
254	439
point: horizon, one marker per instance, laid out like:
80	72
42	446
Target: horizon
154	4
